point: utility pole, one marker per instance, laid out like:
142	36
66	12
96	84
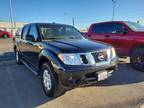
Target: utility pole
73	21
65	17
11	15
114	5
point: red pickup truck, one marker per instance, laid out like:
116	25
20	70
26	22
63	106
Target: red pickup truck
5	34
127	38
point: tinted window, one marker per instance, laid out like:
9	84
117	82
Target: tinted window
33	31
99	28
116	27
107	28
25	32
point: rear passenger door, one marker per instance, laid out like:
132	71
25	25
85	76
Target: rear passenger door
116	37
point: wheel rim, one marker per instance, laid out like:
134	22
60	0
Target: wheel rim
139	59
47	80
17	57
5	36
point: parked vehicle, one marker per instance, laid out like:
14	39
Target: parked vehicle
63	57
126	37
5	34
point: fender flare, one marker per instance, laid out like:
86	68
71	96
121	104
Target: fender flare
50	57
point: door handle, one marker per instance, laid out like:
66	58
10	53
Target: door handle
107	36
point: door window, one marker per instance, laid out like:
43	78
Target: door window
25	32
116	28
33	31
105	28
99	28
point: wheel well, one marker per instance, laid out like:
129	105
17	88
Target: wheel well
43	60
136	47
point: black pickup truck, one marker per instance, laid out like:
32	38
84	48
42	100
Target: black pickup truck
63	57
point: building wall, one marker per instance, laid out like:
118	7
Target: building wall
7	26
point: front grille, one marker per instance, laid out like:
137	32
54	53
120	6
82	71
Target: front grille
100	56
84	59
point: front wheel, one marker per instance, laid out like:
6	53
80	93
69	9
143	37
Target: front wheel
50	81
137	59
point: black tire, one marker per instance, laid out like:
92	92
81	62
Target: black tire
55	89
18	58
137	59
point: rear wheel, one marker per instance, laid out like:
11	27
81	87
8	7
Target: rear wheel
5	36
49	81
137	59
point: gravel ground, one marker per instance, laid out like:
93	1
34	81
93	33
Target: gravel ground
6	45
20	88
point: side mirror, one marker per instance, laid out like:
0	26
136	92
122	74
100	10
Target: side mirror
83	34
30	38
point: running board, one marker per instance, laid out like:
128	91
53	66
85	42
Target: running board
32	70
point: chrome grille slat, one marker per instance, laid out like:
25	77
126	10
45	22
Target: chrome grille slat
92	61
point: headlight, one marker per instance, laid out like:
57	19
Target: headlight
113	53
70	59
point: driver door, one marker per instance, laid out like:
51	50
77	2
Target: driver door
32	47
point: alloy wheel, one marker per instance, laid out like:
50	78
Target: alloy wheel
47	81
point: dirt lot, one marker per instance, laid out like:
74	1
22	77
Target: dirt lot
20	88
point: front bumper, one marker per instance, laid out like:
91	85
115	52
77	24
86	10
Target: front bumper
72	76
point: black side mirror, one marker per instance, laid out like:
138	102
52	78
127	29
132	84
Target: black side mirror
83	34
30	38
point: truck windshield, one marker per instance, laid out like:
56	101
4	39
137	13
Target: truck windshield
135	26
55	31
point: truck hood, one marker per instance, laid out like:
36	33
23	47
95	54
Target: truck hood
77	45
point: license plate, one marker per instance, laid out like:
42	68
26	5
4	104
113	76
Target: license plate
102	75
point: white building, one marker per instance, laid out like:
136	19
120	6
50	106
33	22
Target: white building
6	26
